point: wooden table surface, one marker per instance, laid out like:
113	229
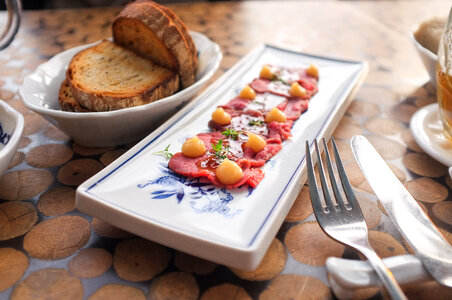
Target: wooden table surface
50	250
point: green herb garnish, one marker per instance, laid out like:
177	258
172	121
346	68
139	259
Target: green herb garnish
282	80
258	102
220	151
231	133
256	123
165	153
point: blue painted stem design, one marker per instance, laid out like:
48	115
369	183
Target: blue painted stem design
4	136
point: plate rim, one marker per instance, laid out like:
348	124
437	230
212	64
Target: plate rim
252	253
417	130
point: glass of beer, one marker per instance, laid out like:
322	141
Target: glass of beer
444	78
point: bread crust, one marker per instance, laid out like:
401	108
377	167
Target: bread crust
67	100
152	15
184	31
105	99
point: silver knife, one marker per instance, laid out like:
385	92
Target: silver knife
417	228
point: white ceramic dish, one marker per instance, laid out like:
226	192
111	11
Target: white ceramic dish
11	128
233	227
429	59
427	131
39	93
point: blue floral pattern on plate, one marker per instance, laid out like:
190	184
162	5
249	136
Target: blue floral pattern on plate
205	197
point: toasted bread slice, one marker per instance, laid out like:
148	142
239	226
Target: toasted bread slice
67	101
107	77
144	28
184	31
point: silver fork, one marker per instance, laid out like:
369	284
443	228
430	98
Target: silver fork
343	220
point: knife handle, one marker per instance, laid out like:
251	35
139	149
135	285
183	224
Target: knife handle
346	275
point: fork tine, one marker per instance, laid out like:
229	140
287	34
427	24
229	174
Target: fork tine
315	197
326	194
353	203
339	199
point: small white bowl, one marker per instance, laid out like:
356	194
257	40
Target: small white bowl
39	93
11	128
429	59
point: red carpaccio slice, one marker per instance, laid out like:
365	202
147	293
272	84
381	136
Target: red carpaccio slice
248	116
204	166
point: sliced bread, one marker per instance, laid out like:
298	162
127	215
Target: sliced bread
145	28
110	77
67	101
183	29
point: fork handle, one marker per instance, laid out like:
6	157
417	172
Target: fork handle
385	275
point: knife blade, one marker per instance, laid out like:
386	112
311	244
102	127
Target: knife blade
417	228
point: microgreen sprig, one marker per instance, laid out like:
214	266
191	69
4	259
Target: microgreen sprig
282	80
220	150
256	123
231	133
165	153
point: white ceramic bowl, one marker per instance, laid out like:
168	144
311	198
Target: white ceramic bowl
429	59
11	127
39	93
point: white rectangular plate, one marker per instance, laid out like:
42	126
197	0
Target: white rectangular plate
140	194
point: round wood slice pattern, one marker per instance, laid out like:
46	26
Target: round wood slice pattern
345	151
24	184
55	134
385	244
297	287
387	148
106	230
271	265
90	262
443	211
423	165
225	291
139	260
77	171
13	264
367	293
24	142
16	219
57	237
301	208
407	137
52	284
33	124
383	126
427	190
17	159
347	128
402	112
174	285
427	290
118	292
308	244
47	156
363	109
447	235
370	210
193	264
57	201
109	156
